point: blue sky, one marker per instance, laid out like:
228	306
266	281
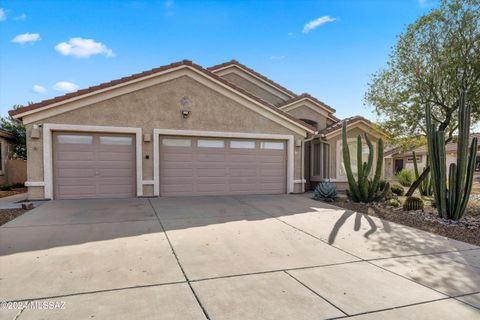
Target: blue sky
50	47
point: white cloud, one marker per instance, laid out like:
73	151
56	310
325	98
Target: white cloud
3	16
65	86
21	17
316	23
38	88
26	37
83	48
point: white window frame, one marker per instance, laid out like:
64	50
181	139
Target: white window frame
242	144
48	128
217	144
289	139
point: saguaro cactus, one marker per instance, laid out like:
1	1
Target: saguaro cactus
363	189
451	200
425	188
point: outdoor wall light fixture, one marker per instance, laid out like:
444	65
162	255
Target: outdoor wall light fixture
185	114
185	104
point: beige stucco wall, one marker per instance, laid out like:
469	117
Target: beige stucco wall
353	133
158	107
253	88
304	112
16	171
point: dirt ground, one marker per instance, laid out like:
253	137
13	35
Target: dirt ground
467	229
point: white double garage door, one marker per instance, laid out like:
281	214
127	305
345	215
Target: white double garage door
90	165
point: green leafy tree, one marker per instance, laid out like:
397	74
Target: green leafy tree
436	58
17	129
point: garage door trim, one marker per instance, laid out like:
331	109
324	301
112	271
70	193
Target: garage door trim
245	135
48	128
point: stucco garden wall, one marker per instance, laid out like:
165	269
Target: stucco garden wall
158	107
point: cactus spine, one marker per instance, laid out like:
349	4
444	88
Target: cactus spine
425	188
451	200
363	189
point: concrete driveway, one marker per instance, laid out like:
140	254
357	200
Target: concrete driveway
245	257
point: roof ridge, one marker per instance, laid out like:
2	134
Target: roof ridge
238	64
149	72
305	95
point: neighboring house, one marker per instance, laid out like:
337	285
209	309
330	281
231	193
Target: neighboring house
182	129
396	159
11	171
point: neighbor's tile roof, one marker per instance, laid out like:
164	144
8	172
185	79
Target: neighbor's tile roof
261	76
150	72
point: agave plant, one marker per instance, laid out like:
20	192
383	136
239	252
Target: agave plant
325	191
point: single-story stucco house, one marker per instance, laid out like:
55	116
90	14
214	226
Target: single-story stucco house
182	129
397	159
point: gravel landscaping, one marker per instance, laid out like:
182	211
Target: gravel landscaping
7	215
466	229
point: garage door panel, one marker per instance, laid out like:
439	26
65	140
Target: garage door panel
119	173
177	157
115	157
75	173
75	156
215	157
93	166
232	167
211	187
211	172
243	172
252	158
177	172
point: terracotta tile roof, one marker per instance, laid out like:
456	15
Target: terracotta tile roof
307	96
147	73
261	76
338	125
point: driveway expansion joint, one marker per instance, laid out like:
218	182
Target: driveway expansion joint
205	313
317	294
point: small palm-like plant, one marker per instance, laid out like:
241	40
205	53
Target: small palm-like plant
325	191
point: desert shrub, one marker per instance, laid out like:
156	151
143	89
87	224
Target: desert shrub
393	202
405	177
397	189
325	191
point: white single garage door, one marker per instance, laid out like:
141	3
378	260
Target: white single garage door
211	166
88	165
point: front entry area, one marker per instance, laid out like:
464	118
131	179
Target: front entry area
93	165
219	166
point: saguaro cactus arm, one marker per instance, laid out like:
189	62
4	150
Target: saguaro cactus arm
352	184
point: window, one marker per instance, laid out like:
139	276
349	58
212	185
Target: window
119	141
211	144
321	160
352	146
74	139
242	144
271	145
410	159
177	142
